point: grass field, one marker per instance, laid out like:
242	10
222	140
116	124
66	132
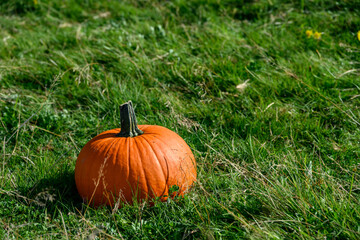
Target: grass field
272	114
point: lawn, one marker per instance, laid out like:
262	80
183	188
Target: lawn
265	92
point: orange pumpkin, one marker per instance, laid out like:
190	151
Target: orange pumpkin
133	163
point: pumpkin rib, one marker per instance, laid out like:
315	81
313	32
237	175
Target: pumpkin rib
128	157
165	155
140	145
147	140
117	147
160	139
98	179
143	171
144	129
151	178
165	143
128	160
114	169
166	176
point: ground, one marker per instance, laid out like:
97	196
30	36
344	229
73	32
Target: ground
266	93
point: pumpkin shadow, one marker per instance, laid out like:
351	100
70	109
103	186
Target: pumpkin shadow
57	192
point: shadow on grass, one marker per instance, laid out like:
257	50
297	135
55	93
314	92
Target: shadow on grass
55	193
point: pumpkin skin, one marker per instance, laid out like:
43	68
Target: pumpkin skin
111	168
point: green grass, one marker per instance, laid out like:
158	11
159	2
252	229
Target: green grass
278	160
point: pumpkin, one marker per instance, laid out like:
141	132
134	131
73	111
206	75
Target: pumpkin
134	163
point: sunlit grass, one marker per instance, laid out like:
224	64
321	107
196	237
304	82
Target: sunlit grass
266	93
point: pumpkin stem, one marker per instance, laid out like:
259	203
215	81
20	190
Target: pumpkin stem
129	126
